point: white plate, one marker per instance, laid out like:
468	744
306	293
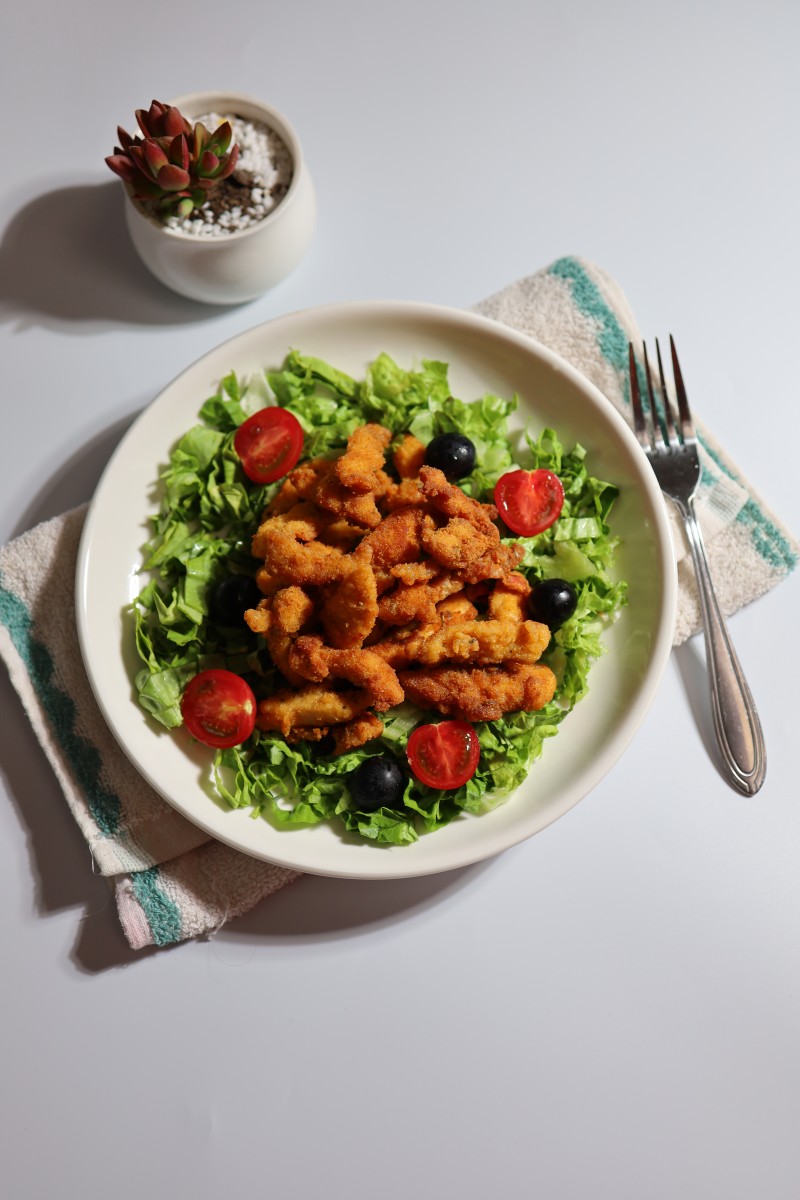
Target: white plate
483	356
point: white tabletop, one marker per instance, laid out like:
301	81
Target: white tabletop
610	1009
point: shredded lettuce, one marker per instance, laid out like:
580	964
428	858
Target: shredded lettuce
203	530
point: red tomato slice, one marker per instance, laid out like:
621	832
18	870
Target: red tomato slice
269	444
219	709
529	501
444	756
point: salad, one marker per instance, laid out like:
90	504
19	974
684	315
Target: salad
421	772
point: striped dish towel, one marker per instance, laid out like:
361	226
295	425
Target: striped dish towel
171	881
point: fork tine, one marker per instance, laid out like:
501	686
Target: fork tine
671	435
687	424
639	424
658	425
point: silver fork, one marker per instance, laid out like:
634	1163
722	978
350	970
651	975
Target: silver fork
671	447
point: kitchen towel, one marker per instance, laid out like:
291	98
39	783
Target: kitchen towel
171	880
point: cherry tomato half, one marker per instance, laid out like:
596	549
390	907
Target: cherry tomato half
444	756
219	709
529	501
269	444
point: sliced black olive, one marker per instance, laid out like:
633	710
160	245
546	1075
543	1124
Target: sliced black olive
231	596
552	602
377	783
452	453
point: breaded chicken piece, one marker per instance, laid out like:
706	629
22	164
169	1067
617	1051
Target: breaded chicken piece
313	705
417	601
357	469
363	668
346	737
350	609
306	563
481	693
280	618
356	733
458	544
307	733
409	457
298	485
267	582
406	494
482	556
293	609
449	499
498	562
456	609
259	618
357	509
414	572
341	533
508	600
398	539
478	642
303	521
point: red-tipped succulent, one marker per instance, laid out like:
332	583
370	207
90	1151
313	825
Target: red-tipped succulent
173	167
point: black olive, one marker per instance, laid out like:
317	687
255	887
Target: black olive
377	783
231	597
552	602
452	453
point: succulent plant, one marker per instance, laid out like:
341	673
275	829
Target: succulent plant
173	167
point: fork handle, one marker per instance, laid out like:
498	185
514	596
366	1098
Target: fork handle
736	722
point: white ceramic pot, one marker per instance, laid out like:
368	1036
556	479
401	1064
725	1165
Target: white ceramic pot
238	266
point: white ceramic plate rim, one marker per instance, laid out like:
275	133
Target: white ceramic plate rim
295	849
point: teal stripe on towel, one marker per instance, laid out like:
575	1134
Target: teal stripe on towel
611	337
84	758
163	915
767	539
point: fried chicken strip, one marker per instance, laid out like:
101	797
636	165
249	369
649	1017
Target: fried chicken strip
346	737
365	669
357	469
313	705
405	494
450	500
298	485
409	457
417	601
355	508
398	539
356	733
481	693
351	607
456	609
508	600
478	642
280	618
458	544
293	561
470	541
